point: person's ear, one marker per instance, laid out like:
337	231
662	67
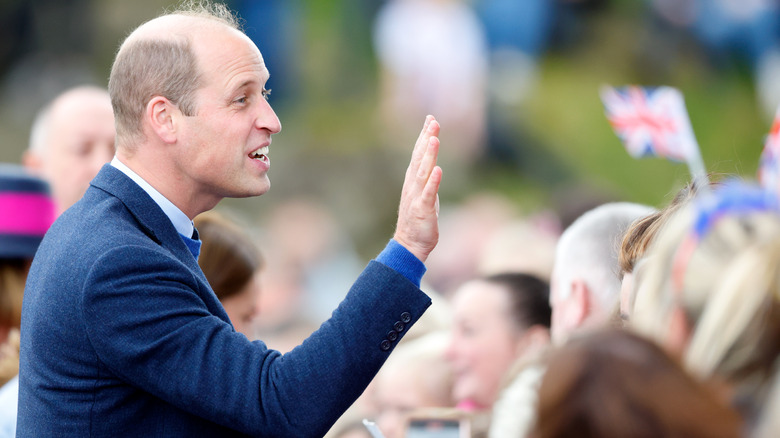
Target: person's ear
32	162
580	294
162	117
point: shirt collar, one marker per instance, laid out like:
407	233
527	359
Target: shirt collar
180	221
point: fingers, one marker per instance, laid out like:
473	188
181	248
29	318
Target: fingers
428	161
430	129
430	194
417	228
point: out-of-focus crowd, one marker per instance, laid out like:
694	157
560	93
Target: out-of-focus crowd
628	320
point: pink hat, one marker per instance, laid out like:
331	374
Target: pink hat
26	212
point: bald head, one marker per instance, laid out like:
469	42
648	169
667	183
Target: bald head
71	138
159	59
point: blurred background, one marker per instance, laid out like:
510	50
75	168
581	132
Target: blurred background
513	83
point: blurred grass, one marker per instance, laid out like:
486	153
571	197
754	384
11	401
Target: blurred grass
566	112
332	147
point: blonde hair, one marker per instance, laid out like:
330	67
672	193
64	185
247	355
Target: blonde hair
145	68
728	292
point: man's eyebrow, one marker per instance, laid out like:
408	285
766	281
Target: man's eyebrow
246	83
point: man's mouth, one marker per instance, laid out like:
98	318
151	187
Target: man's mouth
260	154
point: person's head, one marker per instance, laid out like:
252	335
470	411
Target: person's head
26	212
637	240
71	139
585	287
416	376
498	320
617	384
708	288
231	263
188	91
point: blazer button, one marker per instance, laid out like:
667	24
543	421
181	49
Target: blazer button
384	345
392	335
406	317
399	326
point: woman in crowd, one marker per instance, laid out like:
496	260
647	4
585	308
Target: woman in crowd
637	240
617	384
415	377
708	290
501	324
231	263
26	212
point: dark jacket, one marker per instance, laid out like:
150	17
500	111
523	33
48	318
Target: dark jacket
122	336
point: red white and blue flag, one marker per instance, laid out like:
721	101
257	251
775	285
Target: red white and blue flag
653	121
769	164
650	121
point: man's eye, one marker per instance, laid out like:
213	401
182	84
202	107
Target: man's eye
240	100
266	93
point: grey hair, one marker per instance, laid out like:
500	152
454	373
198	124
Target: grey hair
588	249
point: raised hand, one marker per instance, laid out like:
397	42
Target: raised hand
418	225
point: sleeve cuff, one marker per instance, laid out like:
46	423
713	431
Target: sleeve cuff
398	258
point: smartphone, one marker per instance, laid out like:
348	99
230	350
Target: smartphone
438	428
373	429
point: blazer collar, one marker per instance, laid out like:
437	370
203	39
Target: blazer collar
149	215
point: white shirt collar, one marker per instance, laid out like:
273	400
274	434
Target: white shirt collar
180	221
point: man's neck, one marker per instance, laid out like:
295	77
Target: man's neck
154	172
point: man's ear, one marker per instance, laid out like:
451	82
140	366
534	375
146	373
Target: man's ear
32	162
162	117
580	294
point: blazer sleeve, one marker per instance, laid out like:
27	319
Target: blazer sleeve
151	329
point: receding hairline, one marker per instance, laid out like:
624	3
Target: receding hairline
176	26
42	123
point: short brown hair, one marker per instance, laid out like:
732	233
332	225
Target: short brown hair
145	68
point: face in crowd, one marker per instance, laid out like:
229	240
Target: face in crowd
72	141
485	342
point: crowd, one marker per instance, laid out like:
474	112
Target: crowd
146	313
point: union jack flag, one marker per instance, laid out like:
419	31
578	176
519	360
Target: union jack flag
769	164
651	121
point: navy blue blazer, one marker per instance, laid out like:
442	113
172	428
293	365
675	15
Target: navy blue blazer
122	336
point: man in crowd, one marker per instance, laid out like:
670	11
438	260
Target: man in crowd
121	333
585	288
72	138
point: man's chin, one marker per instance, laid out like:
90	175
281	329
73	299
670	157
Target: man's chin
252	192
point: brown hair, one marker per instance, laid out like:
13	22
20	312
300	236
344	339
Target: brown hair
13	273
145	68
617	384
642	232
528	296
228	257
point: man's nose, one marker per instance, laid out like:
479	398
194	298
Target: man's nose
267	119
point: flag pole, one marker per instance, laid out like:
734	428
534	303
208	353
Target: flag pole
697	169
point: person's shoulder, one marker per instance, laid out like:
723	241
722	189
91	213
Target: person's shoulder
92	220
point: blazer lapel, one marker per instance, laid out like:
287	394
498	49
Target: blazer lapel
151	219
